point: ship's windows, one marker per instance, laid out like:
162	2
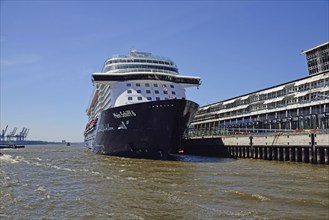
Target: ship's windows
165	92
148	91
149	98
138	84
173	92
172	86
139	98
155	85
157	98
166	98
129	91
156	91
147	84
130	98
139	91
128	84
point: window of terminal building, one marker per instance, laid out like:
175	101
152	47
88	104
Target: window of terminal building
147	84
155	85
165	92
139	98
139	91
128	84
130	98
149	98
148	91
172	86
173	92
156	91
157	98
138	84
129	91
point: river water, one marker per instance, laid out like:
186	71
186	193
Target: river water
59	182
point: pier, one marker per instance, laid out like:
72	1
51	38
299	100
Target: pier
285	122
297	146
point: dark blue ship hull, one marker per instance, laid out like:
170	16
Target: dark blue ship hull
144	130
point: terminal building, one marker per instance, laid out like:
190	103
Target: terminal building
300	104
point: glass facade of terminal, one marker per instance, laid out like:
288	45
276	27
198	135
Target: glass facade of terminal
299	105
318	59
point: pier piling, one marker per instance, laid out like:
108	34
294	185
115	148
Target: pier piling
296	147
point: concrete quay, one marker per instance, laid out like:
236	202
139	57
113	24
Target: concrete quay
310	147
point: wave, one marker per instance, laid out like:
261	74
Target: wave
8	159
244	195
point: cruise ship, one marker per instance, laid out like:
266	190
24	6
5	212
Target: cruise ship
138	107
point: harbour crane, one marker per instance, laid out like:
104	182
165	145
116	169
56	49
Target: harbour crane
20	135
11	134
25	134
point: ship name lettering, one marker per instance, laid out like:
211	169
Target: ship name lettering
124	114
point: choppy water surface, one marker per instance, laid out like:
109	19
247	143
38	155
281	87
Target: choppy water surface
56	182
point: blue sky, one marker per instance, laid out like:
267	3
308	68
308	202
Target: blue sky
50	48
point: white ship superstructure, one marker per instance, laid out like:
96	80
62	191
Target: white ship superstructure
139	67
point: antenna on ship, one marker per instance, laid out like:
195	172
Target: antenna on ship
133	51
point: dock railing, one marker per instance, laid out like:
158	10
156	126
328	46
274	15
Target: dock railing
218	132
